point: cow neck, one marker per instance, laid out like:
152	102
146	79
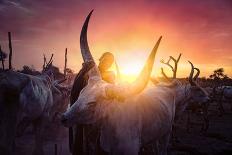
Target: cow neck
185	95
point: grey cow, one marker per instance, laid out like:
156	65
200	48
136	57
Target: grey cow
35	99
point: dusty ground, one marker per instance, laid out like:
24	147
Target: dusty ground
217	140
55	135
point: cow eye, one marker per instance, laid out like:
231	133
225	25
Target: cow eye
91	103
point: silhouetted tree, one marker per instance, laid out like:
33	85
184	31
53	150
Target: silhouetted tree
10	48
218	74
220	78
173	68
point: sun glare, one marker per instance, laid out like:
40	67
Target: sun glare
129	71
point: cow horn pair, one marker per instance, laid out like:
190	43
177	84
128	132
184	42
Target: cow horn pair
144	75
192	80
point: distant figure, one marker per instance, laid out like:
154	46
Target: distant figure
106	61
81	80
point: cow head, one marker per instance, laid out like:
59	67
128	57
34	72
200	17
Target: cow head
97	96
60	94
188	93
197	93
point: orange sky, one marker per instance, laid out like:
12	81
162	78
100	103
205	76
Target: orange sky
201	31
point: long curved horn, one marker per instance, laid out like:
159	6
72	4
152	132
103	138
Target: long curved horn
140	83
144	76
191	75
86	54
198	73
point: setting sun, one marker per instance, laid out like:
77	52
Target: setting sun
129	71
130	65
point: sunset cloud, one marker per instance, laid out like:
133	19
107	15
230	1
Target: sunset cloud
201	30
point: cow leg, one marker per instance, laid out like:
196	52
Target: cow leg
174	137
163	144
39	135
188	121
21	127
151	148
155	148
220	107
230	105
78	141
205	118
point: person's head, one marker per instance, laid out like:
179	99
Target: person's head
106	61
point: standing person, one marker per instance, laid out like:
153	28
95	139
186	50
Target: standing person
81	143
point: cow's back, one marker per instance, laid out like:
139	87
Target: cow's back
157	109
36	97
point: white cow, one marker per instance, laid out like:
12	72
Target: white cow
133	115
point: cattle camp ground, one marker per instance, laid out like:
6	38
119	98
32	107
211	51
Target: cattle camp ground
217	140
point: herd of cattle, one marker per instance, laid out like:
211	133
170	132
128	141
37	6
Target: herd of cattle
132	115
